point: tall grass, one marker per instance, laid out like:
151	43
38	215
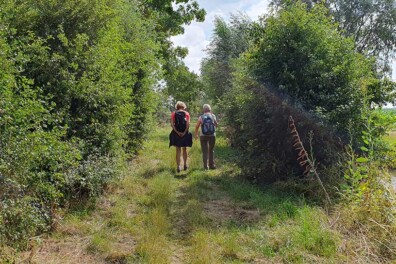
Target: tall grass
199	216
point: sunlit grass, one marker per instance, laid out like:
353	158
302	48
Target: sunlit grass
391	138
203	249
284	229
199	216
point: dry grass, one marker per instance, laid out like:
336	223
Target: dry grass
157	216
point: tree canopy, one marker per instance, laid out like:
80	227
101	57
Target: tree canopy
371	24
228	42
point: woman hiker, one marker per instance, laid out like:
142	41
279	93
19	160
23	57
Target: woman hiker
208	123
180	137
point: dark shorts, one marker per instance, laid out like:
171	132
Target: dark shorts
175	140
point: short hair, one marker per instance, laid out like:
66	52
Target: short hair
206	108
180	105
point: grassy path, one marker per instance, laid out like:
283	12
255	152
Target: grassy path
157	216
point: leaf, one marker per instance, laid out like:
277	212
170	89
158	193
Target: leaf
364	149
362	160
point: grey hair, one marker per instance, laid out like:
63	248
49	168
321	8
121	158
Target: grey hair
206	108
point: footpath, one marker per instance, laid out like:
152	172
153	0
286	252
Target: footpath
155	215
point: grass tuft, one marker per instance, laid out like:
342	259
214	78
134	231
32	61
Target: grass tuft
203	249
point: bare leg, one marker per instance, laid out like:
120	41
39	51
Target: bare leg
185	157
178	154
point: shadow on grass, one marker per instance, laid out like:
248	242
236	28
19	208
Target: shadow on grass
224	199
82	206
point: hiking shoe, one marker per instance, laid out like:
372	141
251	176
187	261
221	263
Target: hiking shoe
185	167
178	169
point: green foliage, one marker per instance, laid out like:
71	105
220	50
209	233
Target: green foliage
368	190
181	84
76	82
172	15
306	65
373	155
21	219
369	23
229	41
303	54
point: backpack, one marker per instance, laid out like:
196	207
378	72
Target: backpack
207	127
180	121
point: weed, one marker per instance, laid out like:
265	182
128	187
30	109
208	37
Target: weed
306	160
312	235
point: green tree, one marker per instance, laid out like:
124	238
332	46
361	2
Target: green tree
299	65
77	92
228	42
181	84
369	23
172	15
303	54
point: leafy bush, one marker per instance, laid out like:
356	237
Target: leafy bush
21	219
302	54
300	66
76	82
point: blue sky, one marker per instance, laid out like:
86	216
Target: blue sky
197	35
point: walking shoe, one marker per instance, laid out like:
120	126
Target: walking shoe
178	169
185	167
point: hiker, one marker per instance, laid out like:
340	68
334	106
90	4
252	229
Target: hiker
180	137
208	123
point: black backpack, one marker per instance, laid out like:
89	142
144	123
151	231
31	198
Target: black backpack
207	127
180	121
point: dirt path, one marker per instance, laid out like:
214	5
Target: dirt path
155	215
120	227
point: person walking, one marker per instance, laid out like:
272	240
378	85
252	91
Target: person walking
180	137
208	124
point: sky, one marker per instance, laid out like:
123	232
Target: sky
197	36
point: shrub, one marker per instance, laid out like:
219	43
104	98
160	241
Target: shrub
302	54
76	83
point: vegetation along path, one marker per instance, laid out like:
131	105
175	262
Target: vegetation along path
157	216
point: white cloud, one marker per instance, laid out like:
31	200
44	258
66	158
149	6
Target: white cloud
257	10
195	39
197	35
